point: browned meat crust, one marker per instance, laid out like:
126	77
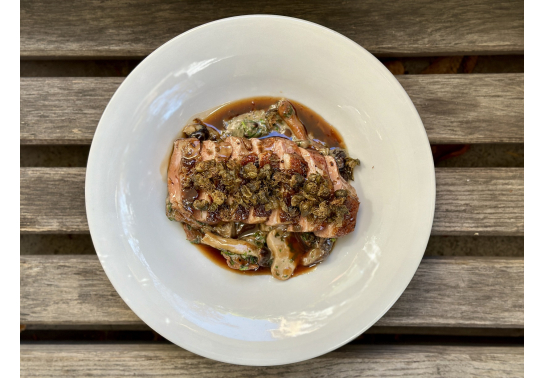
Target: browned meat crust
270	181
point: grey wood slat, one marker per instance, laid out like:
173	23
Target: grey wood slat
479	201
445	292
167	360
480	108
52	200
134	28
469	201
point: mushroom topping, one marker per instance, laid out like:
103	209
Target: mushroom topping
226	230
265	258
236	246
196	130
320	248
283	264
288	114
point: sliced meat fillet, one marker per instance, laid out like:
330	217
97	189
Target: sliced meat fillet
185	155
241	147
316	162
352	203
294	163
275	218
208	152
348	225
243	153
257	146
258	214
287	152
316	165
338	181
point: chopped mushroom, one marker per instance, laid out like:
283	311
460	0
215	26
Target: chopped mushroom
283	264
227	230
237	246
320	249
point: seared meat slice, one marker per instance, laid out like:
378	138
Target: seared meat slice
257	214
352	203
316	165
284	156
259	181
185	155
211	151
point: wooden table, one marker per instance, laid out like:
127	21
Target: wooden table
465	304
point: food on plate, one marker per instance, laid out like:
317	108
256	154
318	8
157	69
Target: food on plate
259	185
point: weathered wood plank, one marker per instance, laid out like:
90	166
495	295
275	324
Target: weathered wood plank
52	200
445	292
485	108
484	201
454	108
134	28
167	360
479	201
63	110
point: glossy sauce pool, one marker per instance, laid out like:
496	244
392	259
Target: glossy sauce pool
317	126
215	256
314	123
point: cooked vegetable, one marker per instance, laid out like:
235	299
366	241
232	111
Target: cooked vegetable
249	125
283	265
239	247
288	114
320	249
196	130
239	262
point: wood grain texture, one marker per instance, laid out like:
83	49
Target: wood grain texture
469	201
479	201
63	110
52	200
167	360
479	108
134	28
445	292
486	108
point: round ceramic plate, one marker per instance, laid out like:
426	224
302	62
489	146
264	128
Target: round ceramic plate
258	320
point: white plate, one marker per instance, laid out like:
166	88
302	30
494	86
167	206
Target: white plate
258	320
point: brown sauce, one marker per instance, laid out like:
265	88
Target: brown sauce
315	125
215	256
